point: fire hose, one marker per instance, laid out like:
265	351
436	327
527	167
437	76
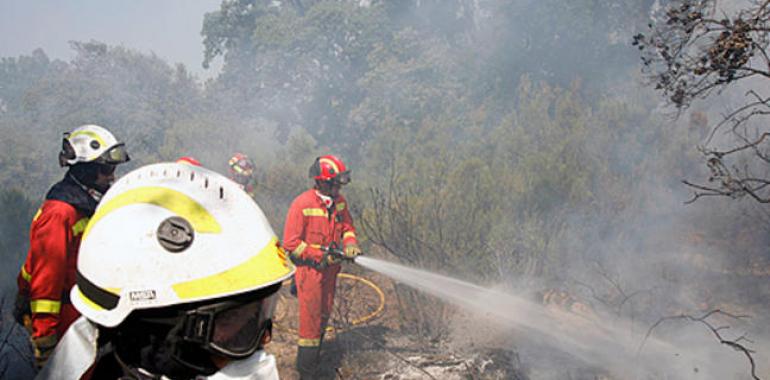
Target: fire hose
338	255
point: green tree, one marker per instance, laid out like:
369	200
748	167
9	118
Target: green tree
297	69
136	96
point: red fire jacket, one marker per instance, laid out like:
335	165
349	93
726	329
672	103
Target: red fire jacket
310	225
48	273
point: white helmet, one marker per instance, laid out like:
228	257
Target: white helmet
91	143
172	234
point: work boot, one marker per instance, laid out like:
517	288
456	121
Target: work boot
307	362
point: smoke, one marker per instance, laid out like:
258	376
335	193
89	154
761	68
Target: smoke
659	258
649	257
612	347
632	259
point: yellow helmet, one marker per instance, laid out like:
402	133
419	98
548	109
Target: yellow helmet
171	234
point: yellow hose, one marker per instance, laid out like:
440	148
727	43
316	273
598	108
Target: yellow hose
376	288
357	321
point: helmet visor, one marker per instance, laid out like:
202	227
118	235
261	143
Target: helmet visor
343	178
67	151
238	330
115	155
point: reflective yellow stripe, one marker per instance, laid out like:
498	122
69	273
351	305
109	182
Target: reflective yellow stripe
172	200
91	304
340	206
80	226
300	248
37	214
314	212
25	275
45	306
302	342
90	134
331	163
267	266
281	253
348	234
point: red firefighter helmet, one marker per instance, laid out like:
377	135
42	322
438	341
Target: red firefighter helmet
241	165
189	160
330	168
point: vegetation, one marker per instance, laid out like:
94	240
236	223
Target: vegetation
498	142
462	150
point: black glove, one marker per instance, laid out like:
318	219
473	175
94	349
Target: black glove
21	308
44	348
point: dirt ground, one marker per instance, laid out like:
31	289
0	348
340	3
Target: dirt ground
360	314
367	342
366	339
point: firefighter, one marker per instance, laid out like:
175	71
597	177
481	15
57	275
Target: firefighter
318	219
177	278
241	170
91	154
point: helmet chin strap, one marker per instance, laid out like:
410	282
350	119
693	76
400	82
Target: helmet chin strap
163	354
94	193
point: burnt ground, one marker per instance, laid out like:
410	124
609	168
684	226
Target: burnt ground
378	348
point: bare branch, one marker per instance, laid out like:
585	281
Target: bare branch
734	343
392	352
706	192
694	49
743	147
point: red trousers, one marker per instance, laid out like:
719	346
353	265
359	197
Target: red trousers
315	291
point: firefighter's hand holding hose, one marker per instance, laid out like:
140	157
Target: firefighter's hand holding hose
333	255
352	251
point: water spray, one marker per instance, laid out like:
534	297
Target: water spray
614	347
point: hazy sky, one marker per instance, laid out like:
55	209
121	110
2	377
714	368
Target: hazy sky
169	28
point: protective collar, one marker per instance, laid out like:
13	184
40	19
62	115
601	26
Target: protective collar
74	354
327	200
70	191
260	366
77	351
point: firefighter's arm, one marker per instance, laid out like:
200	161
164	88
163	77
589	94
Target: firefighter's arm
349	239
50	236
293	232
21	311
